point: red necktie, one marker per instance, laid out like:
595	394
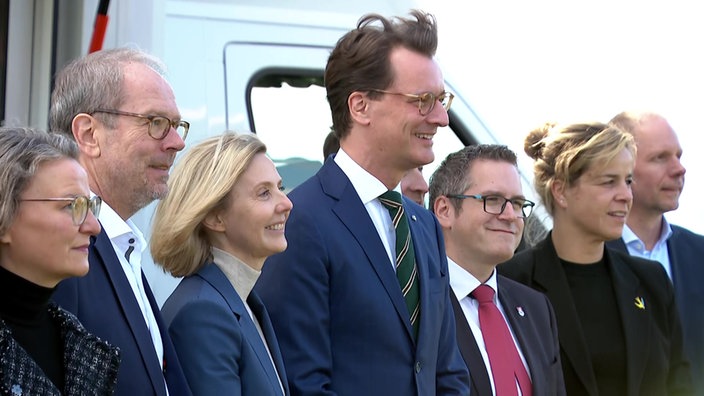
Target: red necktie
506	364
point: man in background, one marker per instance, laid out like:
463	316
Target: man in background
658	179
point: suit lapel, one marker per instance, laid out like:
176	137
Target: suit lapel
635	321
257	306
520	326
103	249
551	279
217	279
470	351
335	183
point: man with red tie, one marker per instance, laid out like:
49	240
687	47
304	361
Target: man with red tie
506	332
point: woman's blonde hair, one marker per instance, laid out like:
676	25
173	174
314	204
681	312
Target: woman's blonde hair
564	153
200	183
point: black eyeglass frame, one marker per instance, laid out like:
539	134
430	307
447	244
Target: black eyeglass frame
527	204
151	118
422	98
78	215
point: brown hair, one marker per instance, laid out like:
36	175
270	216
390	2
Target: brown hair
360	60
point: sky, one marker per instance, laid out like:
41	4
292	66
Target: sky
522	63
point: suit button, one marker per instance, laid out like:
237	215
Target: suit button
418	367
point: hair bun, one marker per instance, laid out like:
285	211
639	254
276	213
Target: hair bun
535	141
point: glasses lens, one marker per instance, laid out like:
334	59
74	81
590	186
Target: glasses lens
79	210
527	208
182	129
95	204
446	100
159	127
426	102
494	204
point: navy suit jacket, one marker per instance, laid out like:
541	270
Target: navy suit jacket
655	363
104	303
217	341
337	307
686	252
536	334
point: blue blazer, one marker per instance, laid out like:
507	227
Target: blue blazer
337	307
655	363
536	334
217	341
686	251
104	303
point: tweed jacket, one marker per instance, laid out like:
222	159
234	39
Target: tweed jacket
90	363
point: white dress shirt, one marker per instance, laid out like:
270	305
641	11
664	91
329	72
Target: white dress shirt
462	284
369	188
659	253
122	234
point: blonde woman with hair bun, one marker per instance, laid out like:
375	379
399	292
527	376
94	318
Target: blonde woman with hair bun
618	326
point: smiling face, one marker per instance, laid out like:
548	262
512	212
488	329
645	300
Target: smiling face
598	202
252	223
133	168
42	244
400	137
477	240
658	177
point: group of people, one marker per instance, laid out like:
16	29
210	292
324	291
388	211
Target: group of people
345	286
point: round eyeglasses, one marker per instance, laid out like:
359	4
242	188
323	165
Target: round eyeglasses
496	204
426	100
79	206
159	126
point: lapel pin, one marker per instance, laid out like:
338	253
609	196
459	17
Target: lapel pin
640	303
520	311
413	217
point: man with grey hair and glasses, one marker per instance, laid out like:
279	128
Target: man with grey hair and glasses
122	112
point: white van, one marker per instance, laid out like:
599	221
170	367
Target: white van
242	65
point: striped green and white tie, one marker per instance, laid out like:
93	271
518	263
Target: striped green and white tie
406	270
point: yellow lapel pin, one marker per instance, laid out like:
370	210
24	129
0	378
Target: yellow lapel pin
640	303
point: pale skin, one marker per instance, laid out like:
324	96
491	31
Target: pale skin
252	226
658	177
125	166
388	136
592	210
478	241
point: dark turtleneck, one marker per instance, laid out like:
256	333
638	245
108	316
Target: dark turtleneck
24	309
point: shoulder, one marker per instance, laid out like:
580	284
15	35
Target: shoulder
650	273
519	266
681	234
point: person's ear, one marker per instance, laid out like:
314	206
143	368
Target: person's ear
213	222
358	104
444	211
557	189
84	128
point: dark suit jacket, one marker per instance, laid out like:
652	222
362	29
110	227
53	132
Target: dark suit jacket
337	307
686	251
104	303
655	362
536	333
216	340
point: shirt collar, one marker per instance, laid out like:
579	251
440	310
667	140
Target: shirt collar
367	186
241	276
463	283
120	231
629	236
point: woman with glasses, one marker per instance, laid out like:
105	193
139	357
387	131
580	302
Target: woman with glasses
46	221
617	322
224	215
